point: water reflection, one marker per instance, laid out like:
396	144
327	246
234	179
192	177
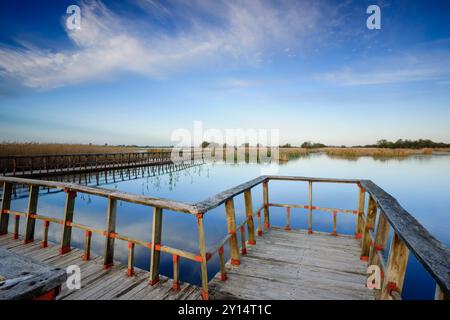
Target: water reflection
420	183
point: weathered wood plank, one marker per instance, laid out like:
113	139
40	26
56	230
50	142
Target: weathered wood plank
429	251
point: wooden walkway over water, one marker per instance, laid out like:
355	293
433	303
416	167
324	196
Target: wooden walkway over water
265	262
292	265
284	265
98	283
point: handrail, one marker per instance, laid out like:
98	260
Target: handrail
430	252
108	193
409	234
83	154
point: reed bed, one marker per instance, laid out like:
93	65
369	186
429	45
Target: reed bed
18	149
375	152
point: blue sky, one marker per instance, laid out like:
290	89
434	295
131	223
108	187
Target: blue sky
139	69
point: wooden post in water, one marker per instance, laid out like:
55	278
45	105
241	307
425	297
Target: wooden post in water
109	231
31	212
310	207
395	268
231	224
249	213
359	220
6	205
369	226
68	218
203	256
266	204
156	243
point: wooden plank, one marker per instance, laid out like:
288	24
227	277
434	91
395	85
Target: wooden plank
220	198
108	193
32	208
156	241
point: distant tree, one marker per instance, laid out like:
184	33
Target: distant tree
311	145
287	145
205	144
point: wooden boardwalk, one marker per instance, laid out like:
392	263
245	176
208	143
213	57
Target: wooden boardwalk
98	283
292	265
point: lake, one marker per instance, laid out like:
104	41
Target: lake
421	184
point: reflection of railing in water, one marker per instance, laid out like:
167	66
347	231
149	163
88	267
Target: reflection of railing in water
408	236
28	166
109	176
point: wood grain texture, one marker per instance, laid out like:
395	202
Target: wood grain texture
98	283
295	265
429	251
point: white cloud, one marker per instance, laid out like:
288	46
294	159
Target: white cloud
242	32
398	68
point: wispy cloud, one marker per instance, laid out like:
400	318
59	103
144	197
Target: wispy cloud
224	32
398	68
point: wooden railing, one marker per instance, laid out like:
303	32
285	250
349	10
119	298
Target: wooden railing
409	235
53	164
45	165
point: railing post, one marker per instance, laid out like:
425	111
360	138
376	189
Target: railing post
130	270
361	205
204	256
258	216
243	246
31	212
231	224
288	219
176	272
68	218
266	204
110	229
223	271
156	243
381	239
16	227
310	207
369	225
44	243
395	268
87	245
440	294
334	224
249	213
6	205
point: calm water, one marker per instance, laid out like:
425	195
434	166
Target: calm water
421	184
